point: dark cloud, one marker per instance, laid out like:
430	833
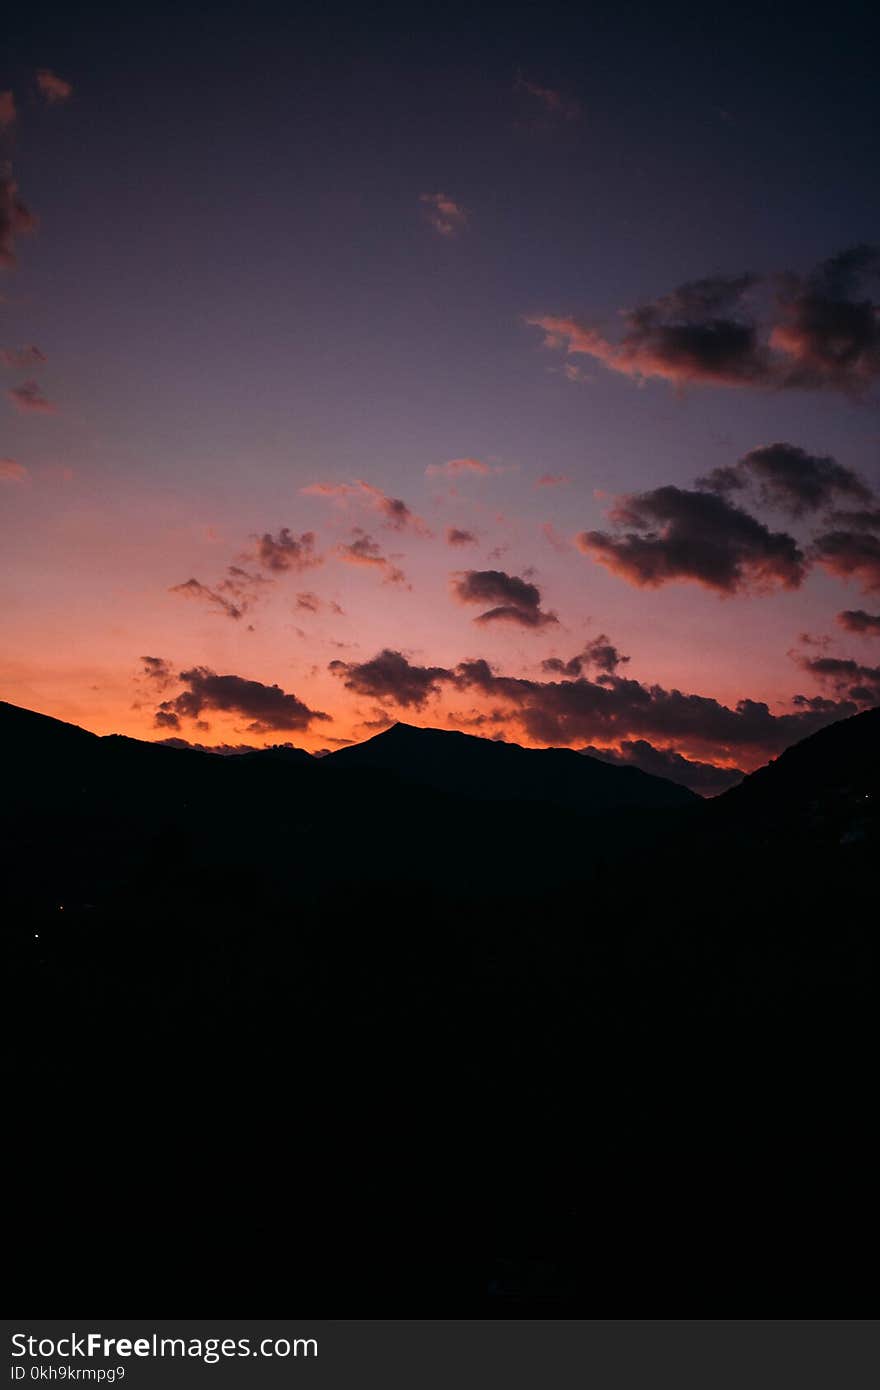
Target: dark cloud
268	707
29	397
311	603
846	677
809	332
828	327
858	621
700	332
8	112
864	519
727	478
706	778
224	750
158	670
16	219
515	600
612	707
363	550
286	551
600	653
192	588
789	478
166	719
850	555
390	676
456	536
608	709
674	533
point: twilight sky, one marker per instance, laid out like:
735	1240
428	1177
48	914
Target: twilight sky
516	373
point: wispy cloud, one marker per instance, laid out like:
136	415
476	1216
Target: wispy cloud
12	472
8	111
16	218
393	510
54	88
445	215
787	331
550	101
22	359
364	551
29	397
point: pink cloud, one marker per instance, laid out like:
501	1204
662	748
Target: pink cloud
393	510
363	550
22	359
455	467
553	480
16	219
29	397
53	87
8	112
445	215
554	102
12	472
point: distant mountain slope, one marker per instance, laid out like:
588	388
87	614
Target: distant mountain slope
457	763
842	760
825	788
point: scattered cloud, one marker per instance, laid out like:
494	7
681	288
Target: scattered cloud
22	359
514	600
858	621
363	550
12	472
267	707
600	654
454	468
790	479
393	510
846	677
552	103
674	533
850	555
820	331
456	536
29	398
158	670
8	112
445	215
286	551
232	597
16	219
54	88
391	676
553	480
308	602
708	779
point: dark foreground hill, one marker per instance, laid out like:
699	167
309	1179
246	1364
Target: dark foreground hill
285	1033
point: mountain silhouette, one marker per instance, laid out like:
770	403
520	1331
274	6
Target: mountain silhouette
439	994
833	773
461	764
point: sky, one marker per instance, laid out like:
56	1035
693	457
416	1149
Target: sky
515	373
